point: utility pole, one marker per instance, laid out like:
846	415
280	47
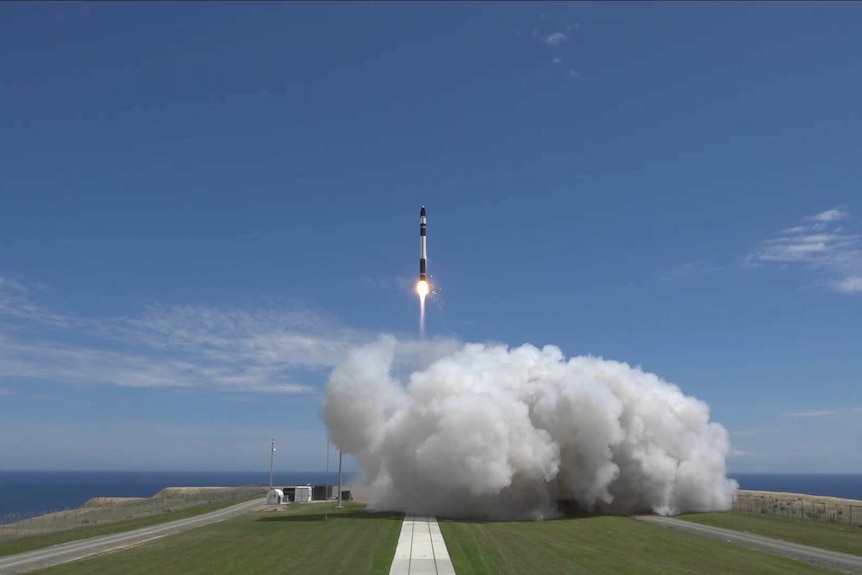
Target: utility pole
327	467
271	454
340	453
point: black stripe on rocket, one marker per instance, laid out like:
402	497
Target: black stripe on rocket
422	252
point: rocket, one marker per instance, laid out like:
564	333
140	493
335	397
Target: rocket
422	253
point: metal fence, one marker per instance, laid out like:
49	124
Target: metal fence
804	509
17	525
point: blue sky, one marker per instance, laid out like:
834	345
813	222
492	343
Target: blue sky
205	205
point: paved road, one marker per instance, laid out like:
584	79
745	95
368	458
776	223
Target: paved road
814	555
40	558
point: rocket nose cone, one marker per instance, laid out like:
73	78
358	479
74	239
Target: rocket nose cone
422	211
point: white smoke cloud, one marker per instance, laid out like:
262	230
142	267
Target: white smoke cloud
490	432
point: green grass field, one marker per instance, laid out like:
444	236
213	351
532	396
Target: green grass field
835	537
299	540
599	545
302	540
40	541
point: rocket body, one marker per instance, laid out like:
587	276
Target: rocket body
423	254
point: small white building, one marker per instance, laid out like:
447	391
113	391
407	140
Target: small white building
275	497
303	494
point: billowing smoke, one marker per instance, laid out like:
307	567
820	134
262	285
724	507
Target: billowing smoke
495	433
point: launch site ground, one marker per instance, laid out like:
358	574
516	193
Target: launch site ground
319	539
104	515
842	538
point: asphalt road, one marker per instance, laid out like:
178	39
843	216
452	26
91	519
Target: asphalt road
40	558
813	555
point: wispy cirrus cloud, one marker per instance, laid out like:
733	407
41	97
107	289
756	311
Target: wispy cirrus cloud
753	431
688	269
822	243
832	215
16	300
134	444
224	349
814	413
143	365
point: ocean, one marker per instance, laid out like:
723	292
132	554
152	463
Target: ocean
29	493
847	485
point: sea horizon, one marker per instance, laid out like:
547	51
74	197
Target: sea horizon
26	493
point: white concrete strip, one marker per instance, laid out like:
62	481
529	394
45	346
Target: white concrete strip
421	549
441	554
405	540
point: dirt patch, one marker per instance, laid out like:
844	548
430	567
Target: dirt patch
266	507
102	501
197	492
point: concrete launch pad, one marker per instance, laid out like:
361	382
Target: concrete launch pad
421	549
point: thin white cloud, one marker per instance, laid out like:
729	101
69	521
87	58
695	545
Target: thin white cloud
261	337
223	349
813	413
849	285
738	453
830	216
754	431
140	444
555	38
700	267
555	31
16	300
4	391
821	244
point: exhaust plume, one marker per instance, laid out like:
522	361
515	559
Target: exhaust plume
489	432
